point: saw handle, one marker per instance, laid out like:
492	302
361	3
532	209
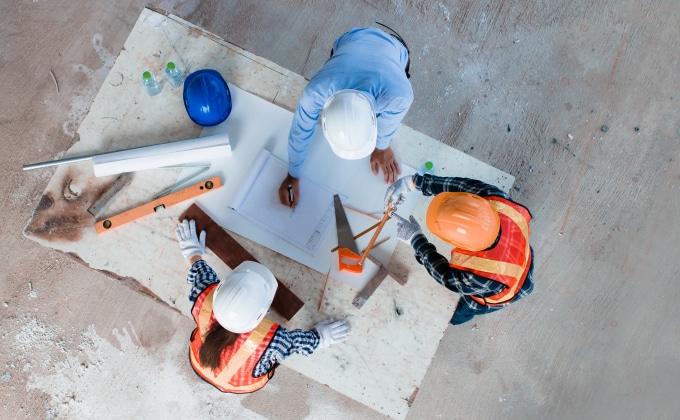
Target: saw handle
349	261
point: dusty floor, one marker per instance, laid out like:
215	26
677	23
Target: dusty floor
527	86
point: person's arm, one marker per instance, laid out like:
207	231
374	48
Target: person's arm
201	275
301	131
433	185
390	119
462	282
283	344
393	105
304	123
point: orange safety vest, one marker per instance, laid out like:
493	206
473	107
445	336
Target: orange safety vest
235	372
509	261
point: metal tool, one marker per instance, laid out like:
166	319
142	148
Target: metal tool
100	206
360	234
348	253
202	168
377	279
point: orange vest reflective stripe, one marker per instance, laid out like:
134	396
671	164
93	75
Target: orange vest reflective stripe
509	261
235	371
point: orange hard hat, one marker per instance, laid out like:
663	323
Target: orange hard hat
464	220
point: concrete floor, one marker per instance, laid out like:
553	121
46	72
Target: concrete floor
527	86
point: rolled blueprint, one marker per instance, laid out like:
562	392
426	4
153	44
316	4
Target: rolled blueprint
167	154
201	149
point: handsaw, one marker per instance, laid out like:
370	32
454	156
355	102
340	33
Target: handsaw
348	253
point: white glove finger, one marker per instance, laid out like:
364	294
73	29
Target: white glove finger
337	338
185	229
202	241
323	323
339	326
339	334
178	232
413	220
192	228
388	195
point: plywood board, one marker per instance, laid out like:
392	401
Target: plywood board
396	333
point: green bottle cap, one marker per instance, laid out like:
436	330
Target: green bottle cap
171	66
429	165
146	75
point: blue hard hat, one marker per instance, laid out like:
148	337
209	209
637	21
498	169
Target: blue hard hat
206	97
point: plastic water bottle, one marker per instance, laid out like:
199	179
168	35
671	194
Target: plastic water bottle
175	77
152	86
427	168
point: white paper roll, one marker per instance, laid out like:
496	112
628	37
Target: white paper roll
247	184
166	154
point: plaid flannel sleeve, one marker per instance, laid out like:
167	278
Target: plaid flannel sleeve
283	345
433	185
200	276
462	282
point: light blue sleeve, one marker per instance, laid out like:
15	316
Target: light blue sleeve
302	128
390	119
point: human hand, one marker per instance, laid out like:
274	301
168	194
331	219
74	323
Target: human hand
331	332
386	161
290	186
189	243
407	229
396	193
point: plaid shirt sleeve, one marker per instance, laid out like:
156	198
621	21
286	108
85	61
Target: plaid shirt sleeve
201	276
459	281
433	185
283	344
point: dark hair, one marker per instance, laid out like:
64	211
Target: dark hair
214	343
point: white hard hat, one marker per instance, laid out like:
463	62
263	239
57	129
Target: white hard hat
243	298
349	124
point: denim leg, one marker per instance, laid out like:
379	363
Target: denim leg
465	310
463	313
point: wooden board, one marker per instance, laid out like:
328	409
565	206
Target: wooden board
219	241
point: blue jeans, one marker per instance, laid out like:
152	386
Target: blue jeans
467	308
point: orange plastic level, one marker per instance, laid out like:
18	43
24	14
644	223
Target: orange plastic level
160	203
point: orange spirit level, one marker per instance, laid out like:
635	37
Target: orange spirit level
160	203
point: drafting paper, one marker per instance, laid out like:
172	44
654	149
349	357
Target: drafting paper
257	199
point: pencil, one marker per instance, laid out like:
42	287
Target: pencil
323	292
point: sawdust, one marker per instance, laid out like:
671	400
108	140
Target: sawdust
92	379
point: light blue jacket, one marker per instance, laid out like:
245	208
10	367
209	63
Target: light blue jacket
365	59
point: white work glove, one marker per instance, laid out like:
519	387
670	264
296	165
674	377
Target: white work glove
406	229
331	332
396	193
189	243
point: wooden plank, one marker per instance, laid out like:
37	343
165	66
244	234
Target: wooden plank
286	303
